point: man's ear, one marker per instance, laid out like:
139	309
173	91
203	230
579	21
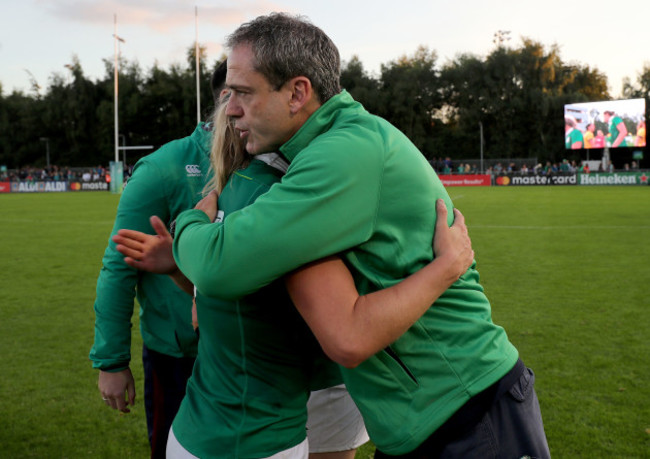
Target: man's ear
302	93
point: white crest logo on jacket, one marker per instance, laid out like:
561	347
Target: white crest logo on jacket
193	170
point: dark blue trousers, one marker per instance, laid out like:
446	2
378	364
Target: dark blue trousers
165	379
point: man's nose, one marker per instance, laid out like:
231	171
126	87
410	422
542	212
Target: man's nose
233	109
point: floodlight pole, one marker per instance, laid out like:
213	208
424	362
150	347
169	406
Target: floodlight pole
116	48
480	124
198	68
115	86
117	169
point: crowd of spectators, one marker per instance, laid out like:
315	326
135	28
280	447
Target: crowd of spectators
56	173
445	166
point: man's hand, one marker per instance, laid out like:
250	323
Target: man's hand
114	387
147	252
209	205
452	242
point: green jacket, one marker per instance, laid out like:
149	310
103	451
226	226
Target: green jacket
613	130
257	360
357	186
163	183
572	137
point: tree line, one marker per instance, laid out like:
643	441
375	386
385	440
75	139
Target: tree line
515	96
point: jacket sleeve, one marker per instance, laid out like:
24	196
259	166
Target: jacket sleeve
325	204
143	196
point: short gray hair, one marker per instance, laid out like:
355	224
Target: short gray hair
287	46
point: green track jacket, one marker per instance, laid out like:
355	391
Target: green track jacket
257	360
357	186
163	183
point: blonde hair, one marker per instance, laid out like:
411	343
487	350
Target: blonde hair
227	153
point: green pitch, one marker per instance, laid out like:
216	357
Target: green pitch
565	268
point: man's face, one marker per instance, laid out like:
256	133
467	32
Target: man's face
261	114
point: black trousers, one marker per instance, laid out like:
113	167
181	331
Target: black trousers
504	421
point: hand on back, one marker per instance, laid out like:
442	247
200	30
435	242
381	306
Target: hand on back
452	242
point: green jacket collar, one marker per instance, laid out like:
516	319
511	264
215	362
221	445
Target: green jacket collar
318	123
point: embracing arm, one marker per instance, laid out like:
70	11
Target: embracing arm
315	211
350	328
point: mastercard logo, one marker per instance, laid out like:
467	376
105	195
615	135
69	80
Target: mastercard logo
75	186
505	180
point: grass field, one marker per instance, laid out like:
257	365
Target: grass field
566	269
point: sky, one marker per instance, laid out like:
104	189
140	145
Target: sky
38	38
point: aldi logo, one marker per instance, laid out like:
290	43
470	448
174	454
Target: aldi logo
38	187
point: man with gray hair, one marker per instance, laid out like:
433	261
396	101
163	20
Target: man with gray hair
448	385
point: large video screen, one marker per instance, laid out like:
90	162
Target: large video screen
612	124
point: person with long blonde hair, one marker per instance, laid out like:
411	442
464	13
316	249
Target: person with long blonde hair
226	154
